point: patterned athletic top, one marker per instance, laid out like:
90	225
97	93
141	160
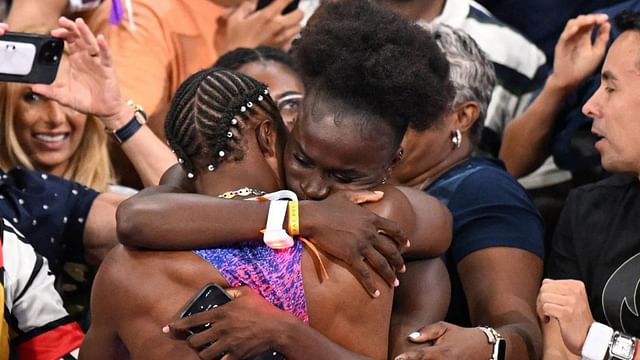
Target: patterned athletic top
275	274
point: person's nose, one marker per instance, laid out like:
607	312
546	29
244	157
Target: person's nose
56	115
591	108
315	188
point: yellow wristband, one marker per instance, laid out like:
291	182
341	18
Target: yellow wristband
294	219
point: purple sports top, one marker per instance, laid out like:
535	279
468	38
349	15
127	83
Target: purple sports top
275	274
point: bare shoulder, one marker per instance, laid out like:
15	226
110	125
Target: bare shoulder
425	219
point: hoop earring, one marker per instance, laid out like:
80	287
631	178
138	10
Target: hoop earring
456	138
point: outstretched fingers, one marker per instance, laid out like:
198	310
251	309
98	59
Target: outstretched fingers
105	53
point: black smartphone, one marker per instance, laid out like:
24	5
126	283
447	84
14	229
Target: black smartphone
291	7
29	58
210	297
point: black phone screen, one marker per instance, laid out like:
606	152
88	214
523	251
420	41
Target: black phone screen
291	7
210	297
29	58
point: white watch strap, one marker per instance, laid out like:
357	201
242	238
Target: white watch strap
277	212
597	342
274	235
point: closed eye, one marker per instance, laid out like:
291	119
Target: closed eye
302	160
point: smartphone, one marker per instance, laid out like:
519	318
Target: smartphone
291	7
210	297
29	58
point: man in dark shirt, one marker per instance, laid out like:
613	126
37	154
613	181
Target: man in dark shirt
596	249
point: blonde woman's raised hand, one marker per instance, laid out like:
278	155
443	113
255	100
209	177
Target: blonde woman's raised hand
89	85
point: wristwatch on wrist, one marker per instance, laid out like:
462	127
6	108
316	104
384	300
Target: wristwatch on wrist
130	128
498	342
622	347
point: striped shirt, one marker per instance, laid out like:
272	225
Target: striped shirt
520	73
34	324
518	62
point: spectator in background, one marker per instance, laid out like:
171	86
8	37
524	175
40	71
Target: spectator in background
24	14
55	138
33	322
594	259
495	259
519	67
273	67
565	131
527	140
174	38
39	133
542	21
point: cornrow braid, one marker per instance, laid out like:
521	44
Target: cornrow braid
205	121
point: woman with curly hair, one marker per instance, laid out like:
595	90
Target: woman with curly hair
346	138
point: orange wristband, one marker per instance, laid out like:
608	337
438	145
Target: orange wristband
294	219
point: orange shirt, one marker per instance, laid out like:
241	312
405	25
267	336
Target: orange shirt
172	40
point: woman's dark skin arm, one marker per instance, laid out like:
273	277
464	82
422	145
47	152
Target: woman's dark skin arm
205	221
501	285
423	298
258	325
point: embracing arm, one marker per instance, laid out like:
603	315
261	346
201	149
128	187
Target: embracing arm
422	298
100	230
267	328
432	230
191	221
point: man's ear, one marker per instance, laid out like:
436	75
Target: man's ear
467	114
267	137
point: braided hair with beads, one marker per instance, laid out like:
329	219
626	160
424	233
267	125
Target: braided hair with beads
205	121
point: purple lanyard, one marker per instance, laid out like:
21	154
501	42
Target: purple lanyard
117	13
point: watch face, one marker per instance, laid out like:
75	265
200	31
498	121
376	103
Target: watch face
623	347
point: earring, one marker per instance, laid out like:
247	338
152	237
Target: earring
384	180
456	138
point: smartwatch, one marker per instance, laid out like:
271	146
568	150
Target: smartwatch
499	343
622	347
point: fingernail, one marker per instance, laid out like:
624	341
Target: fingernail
396	283
408	243
414	335
166	329
377	192
403	269
376	293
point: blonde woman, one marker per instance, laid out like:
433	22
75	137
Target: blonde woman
45	128
41	134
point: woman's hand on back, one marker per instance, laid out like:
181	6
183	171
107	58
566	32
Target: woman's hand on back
355	235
